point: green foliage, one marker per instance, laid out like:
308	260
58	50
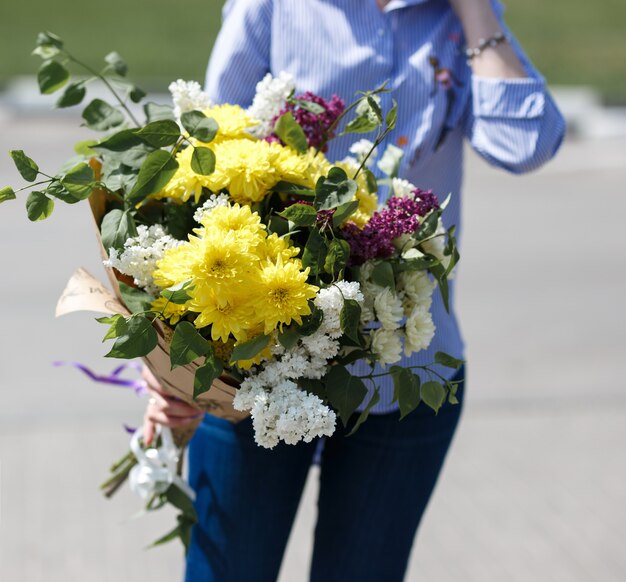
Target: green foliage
382	274
159	134
26	166
156	171
79	181
251	348
119	142
337	257
117	325
179	293
158	112
433	394
344	211
288	338
52	76
135	299
311	323
117	63
203	161
7	193
206	374
199	126
314	254
448	360
290	132
406	386
117	226
74	93
334	190
187	345
300	214
137	338
374	400
350	319
38	206
345	392
100	116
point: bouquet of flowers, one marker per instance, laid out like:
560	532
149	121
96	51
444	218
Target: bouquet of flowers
248	270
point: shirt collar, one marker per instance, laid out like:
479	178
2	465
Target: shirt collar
396	4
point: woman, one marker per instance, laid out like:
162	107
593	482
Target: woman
374	486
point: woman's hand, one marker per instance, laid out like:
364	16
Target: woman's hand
164	409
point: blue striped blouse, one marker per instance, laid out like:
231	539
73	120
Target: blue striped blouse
343	46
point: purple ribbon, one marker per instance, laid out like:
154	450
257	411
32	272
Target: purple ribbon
138	386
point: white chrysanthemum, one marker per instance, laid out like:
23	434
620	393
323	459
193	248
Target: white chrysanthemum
418	287
387	346
213	201
402	188
389	162
187	96
405	242
140	255
330	300
388	308
361	148
419	331
285	413
270	97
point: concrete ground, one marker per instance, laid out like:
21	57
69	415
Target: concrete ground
533	486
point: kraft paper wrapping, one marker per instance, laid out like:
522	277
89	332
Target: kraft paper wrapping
86	293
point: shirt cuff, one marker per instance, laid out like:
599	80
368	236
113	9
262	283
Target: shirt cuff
508	98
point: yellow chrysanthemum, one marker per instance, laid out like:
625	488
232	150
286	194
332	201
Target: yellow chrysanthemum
282	294
173	312
177	264
245	168
291	166
226	314
235	218
317	166
185	183
275	246
223	350
232	122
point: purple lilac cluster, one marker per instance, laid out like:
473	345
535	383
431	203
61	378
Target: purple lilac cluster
315	125
401	215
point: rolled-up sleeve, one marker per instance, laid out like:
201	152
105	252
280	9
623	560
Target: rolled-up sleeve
241	55
514	123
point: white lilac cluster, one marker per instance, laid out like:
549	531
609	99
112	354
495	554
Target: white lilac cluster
269	99
187	96
360	149
140	255
389	162
403	315
289	413
212	202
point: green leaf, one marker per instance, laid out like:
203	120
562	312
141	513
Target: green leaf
179	220
334	190
337	257
117	323
49	39
101	116
160	133
382	275
289	338
117	226
156	171
300	214
448	360
200	126
117	63
137	340
79	181
38	206
309	106
392	116
187	345
428	226
73	95
206	374
136	94
179	499
179	293
406	389
352	356
135	299
350	319
315	387
7	193
290	132
119	142
203	161
374	400
344	211
51	76
27	167
433	394
250	349
345	392
293	189
83	148
311	323
56	190
156	112
314	255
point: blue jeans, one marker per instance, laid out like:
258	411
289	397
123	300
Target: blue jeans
374	487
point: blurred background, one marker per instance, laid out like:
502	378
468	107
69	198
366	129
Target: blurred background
533	487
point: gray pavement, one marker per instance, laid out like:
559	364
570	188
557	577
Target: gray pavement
533	486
